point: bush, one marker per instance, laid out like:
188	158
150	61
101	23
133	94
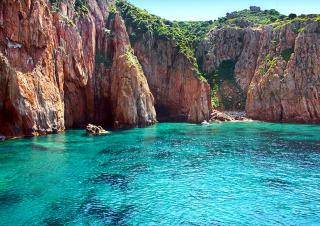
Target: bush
286	54
226	70
81	7
67	21
292	16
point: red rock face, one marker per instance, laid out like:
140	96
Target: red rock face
32	90
132	101
288	91
49	74
179	94
275	90
52	78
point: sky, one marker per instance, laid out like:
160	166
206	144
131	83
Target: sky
212	9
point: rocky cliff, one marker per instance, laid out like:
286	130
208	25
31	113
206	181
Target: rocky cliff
66	63
179	94
51	78
271	71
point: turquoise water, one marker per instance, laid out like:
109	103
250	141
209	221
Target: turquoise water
248	173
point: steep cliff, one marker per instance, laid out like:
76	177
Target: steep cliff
132	101
31	100
56	69
66	63
286	83
180	93
270	71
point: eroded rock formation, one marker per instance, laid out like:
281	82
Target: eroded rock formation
179	94
132	101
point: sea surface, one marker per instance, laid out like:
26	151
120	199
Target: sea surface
244	173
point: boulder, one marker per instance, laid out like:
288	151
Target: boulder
220	116
95	130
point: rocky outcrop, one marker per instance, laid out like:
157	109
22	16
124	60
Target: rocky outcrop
287	90
277	69
235	48
93	130
132	101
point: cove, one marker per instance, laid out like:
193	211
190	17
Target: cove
248	173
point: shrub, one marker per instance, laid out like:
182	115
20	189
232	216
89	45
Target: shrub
226	70
286	54
113	10
292	16
67	21
81	7
214	96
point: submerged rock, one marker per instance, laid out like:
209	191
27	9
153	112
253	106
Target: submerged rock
95	130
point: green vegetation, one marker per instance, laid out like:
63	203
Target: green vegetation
270	63
250	17
300	19
113	10
286	54
54	2
186	34
133	60
214	96
225	72
292	16
67	21
81	7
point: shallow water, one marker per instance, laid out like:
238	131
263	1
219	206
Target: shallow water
248	173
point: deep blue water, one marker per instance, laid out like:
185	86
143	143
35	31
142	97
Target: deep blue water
249	173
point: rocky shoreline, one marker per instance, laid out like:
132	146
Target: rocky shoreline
63	66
